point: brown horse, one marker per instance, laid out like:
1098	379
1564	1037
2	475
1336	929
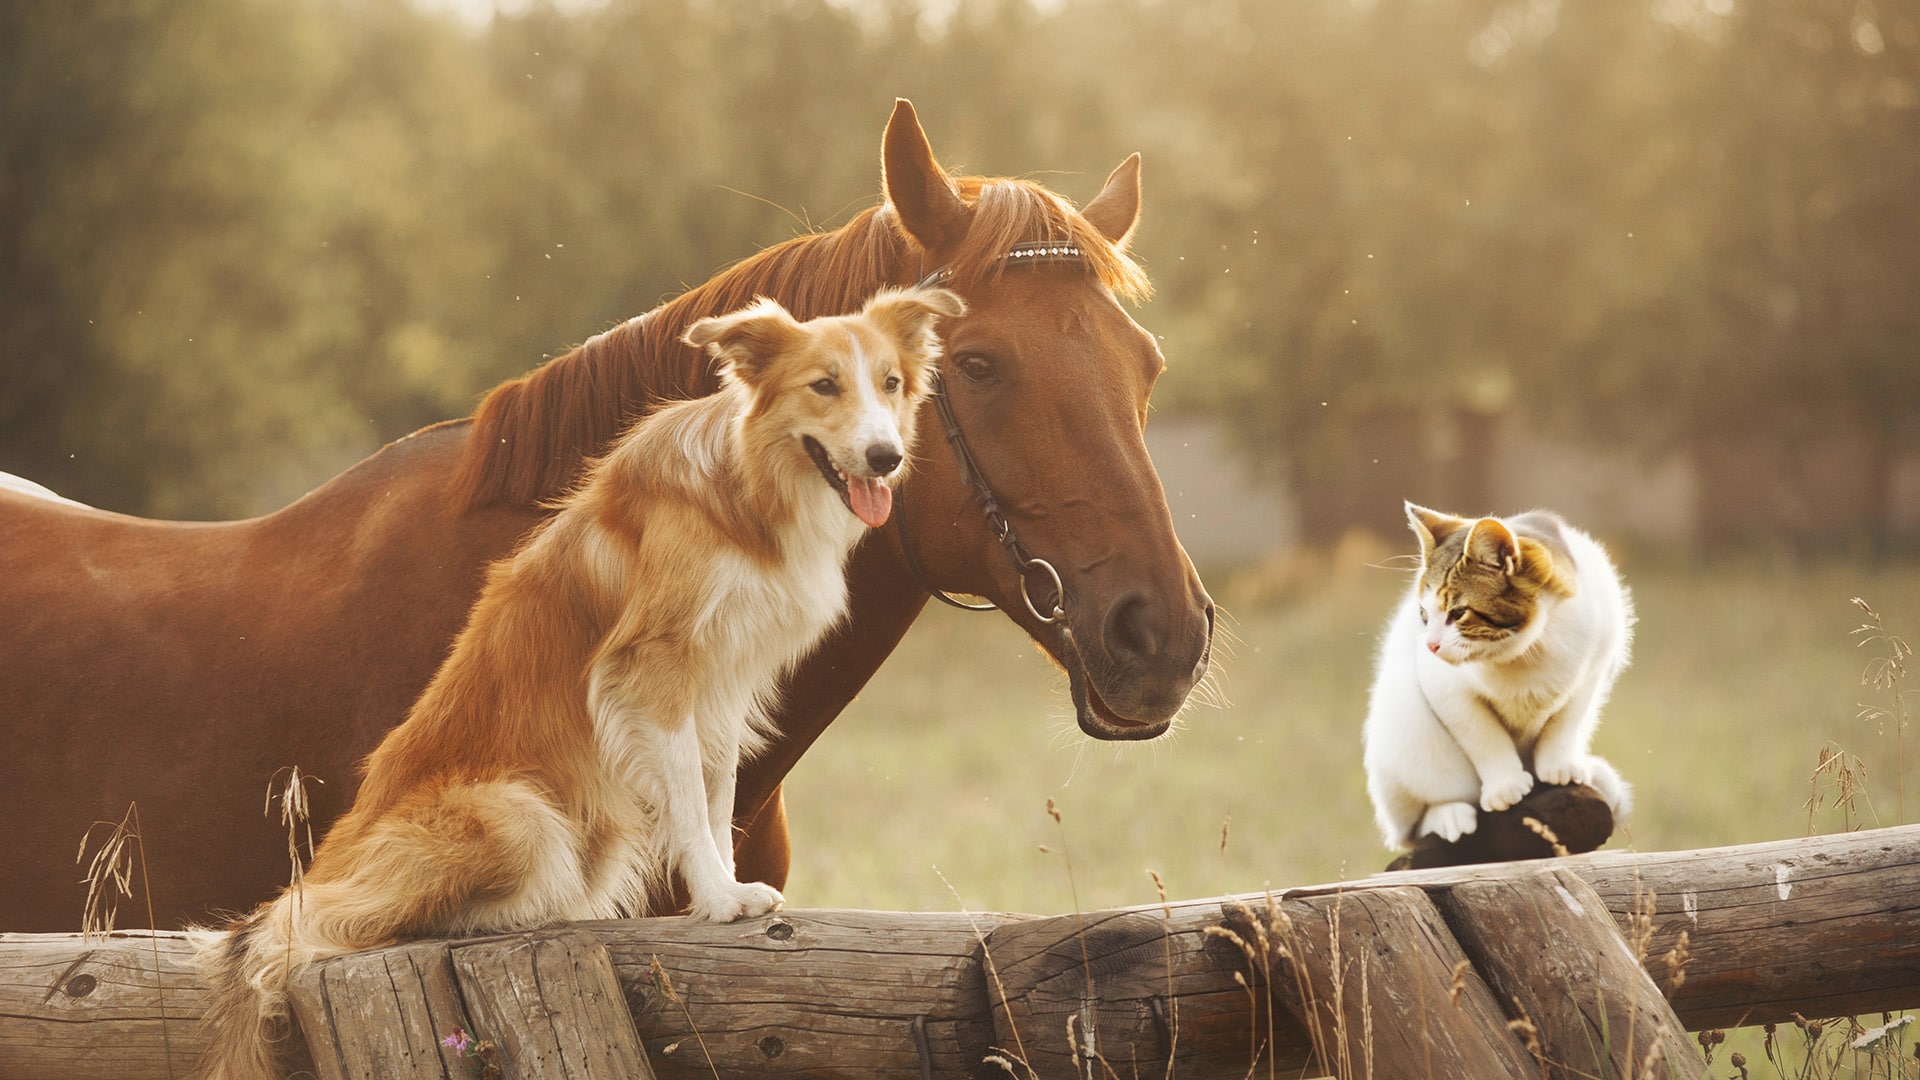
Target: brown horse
180	665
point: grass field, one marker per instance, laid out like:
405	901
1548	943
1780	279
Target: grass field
1741	674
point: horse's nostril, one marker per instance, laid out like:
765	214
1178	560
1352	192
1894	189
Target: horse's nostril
1130	629
883	459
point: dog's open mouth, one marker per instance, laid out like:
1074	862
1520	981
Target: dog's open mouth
870	499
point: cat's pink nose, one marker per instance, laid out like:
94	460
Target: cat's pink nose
1433	646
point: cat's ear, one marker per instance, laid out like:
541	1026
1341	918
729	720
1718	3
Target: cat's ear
1492	543
1432	526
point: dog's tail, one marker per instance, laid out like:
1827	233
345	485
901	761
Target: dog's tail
246	966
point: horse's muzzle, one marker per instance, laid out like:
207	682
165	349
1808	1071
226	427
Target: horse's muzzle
1135	685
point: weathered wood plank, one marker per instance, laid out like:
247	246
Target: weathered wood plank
1549	947
807	994
1371	975
552	1003
77	1010
381	1014
1822	926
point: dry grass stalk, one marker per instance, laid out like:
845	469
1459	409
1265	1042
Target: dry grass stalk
665	985
1846	775
1166	941
296	815
1886	673
1458	984
1677	959
109	880
1539	828
1529	1033
999	988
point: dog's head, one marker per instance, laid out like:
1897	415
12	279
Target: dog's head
843	390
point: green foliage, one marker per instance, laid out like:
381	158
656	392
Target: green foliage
244	241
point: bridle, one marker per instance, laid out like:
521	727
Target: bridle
1025	563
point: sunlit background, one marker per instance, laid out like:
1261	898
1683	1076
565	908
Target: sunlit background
1653	263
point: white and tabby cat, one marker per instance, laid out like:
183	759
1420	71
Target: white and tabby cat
1492	672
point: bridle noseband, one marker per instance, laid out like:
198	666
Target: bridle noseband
1025	562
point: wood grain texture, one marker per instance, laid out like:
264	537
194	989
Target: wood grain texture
807	994
1550	948
381	1014
1822	926
77	1010
552	1004
1371	975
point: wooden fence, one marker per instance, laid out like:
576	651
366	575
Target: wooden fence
1607	960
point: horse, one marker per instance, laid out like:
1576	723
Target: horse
179	666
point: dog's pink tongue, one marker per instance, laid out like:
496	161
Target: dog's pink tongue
872	500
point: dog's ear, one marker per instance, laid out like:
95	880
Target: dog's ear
746	341
907	316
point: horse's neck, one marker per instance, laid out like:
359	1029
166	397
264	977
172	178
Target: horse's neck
402	507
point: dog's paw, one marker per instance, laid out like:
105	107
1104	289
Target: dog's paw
1569	769
1500	792
736	901
1449	821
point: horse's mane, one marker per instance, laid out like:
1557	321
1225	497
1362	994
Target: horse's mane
531	434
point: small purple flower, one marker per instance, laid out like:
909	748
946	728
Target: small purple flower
458	1042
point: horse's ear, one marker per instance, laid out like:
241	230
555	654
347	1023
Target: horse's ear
1116	209
746	341
917	188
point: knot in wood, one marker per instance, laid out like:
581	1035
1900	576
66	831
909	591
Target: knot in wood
779	930
773	1046
80	986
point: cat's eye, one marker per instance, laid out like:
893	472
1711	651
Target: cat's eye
1454	615
1423	616
826	387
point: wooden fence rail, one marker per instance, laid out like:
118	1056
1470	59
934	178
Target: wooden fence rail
1415	973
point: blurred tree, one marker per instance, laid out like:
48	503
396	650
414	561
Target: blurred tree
244	241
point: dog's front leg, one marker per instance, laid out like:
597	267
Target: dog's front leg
723	776
688	821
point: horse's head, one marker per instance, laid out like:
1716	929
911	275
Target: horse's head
1046	380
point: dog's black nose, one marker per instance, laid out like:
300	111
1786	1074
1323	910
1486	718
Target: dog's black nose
883	459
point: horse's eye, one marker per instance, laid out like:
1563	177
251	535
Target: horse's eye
976	368
892	384
827	387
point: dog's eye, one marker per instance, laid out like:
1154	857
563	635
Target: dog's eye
826	387
892	384
976	368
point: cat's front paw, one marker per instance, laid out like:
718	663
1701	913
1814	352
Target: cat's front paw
1500	792
1448	821
735	901
1567	769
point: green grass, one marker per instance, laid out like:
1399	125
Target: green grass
1741	674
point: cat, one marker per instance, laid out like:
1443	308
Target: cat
1492	673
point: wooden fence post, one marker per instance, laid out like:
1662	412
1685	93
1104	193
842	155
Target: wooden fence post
1550	947
551	1003
1379	985
381	1013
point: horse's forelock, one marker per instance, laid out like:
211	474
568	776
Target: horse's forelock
1007	212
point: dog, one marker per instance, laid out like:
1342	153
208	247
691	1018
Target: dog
578	746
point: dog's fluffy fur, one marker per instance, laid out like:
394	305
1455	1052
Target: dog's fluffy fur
578	747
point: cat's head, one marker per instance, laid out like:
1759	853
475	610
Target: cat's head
1485	590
